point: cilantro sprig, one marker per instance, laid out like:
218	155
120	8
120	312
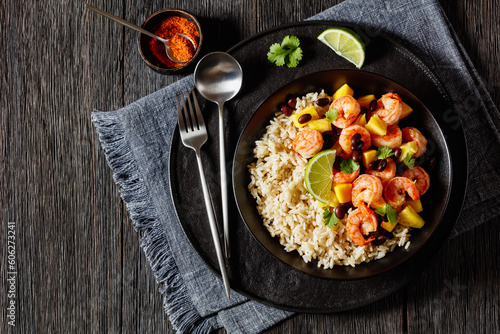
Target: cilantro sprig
389	212
288	52
384	152
409	161
348	166
329	218
332	115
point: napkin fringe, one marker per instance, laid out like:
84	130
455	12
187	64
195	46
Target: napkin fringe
177	303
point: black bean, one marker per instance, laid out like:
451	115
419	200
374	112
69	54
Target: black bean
359	145
337	162
286	110
368	116
382	165
340	211
292	102
323	101
373	165
304	118
355	138
373	105
364	110
397	153
328	134
379	240
357	156
328	143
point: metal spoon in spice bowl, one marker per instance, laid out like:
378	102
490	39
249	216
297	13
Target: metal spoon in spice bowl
168	49
218	77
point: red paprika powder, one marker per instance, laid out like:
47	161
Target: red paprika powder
182	48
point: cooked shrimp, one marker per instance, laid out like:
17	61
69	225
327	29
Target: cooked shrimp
389	108
359	224
387	174
413	134
346	135
366	189
339	177
396	189
348	109
393	138
420	177
308	142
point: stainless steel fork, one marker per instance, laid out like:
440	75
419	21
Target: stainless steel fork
194	135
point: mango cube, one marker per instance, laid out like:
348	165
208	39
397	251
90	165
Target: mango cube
334	201
410	148
343	192
361	120
321	125
309	110
387	226
416	205
342	91
380	203
368	157
406	110
376	126
364	101
408	217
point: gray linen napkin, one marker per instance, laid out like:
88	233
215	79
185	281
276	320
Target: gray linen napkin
136	142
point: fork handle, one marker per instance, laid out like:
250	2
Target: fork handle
213	225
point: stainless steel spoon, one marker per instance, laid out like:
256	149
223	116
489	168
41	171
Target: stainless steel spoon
218	77
168	49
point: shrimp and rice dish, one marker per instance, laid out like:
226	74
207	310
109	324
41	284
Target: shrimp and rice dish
374	186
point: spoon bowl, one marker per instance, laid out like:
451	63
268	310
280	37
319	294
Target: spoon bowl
218	77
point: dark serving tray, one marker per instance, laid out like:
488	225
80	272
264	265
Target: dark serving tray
260	270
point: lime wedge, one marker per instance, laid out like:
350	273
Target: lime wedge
319	175
346	43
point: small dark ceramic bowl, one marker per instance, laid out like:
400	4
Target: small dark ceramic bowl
143	42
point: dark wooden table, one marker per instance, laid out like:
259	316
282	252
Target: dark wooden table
78	261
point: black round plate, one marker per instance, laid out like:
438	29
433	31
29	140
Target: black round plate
258	272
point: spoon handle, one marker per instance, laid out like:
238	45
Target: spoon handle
223	181
122	21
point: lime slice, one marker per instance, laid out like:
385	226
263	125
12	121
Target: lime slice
319	174
346	43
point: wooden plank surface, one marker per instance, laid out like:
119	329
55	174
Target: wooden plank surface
79	265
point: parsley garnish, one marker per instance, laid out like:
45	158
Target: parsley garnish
348	166
289	52
329	218
409	161
389	212
384	152
332	115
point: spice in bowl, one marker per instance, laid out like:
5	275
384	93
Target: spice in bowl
182	48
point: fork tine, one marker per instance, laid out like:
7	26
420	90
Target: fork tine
189	118
196	121
180	115
199	116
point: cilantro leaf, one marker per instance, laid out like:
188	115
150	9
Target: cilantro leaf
332	115
329	218
409	161
348	166
288	52
384	152
389	212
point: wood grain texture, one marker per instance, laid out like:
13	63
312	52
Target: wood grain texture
79	263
